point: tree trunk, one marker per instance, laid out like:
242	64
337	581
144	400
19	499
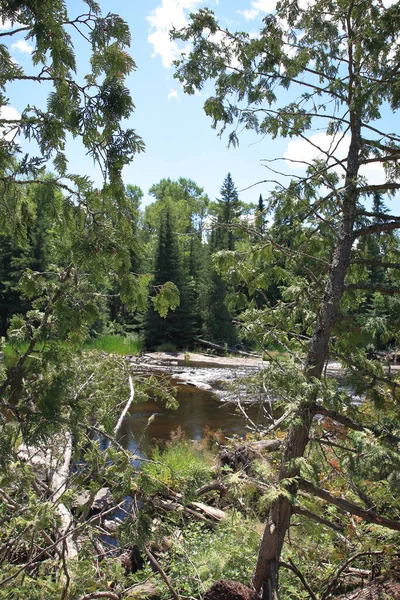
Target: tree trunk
266	570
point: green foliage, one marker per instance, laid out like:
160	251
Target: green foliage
115	344
180	468
327	268
201	556
174	284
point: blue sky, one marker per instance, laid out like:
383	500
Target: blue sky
178	136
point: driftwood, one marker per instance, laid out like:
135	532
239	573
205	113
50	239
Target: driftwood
215	485
127	407
206	511
213	346
214	513
54	461
374	591
243	456
265	445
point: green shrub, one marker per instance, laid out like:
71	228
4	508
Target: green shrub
199	556
181	467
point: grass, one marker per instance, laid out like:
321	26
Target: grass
115	344
112	344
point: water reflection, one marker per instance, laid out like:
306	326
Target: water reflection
197	411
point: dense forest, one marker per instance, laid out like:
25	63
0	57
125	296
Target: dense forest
174	240
308	506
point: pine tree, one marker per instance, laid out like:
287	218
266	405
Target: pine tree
260	216
228	211
217	317
177	327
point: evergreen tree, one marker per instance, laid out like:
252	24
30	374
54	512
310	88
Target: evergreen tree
340	54
217	317
38	249
177	327
186	205
260	215
228	211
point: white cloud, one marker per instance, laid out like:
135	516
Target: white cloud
257	7
22	46
315	147
7	131
170	13
6	25
318	145
173	95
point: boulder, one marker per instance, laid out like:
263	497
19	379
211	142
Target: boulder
102	500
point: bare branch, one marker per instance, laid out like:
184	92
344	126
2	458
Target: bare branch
343	567
299	510
354	425
349	507
292	567
127	406
159	568
378	227
95	595
14	31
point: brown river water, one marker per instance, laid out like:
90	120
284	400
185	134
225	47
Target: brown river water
152	423
199	411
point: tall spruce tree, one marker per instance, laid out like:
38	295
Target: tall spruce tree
187	206
217	317
228	213
175	328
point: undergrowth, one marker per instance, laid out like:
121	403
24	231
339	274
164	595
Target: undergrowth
115	344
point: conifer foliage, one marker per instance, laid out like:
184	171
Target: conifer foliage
337	59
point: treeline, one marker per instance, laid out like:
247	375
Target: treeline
197	254
177	238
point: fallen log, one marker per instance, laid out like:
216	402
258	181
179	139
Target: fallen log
53	463
215	485
224	349
214	513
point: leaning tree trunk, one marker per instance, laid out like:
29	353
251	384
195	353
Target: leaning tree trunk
265	578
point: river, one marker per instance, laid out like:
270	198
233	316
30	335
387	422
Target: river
198	410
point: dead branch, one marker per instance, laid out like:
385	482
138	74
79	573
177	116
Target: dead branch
292	567
213	346
349	507
159	568
299	510
94	595
215	485
343	567
351	424
127	406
